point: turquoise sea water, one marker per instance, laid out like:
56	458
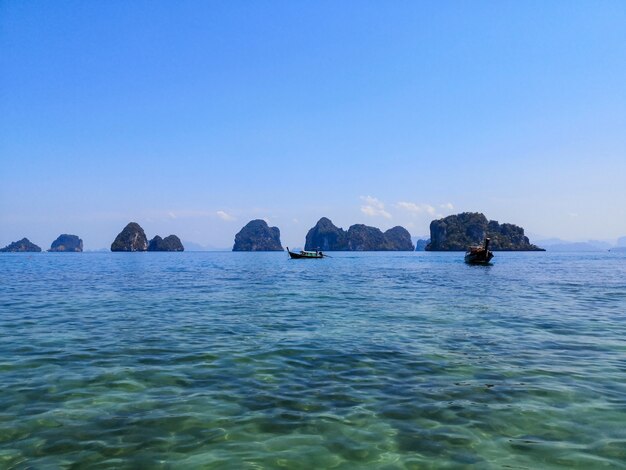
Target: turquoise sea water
372	360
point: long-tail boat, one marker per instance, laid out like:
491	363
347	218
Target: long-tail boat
306	254
479	254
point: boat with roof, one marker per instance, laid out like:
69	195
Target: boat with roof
479	254
306	254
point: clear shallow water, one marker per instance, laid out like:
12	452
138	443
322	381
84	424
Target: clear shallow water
250	360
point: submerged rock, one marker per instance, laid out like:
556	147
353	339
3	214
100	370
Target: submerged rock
132	238
256	235
326	236
169	243
457	232
67	243
23	245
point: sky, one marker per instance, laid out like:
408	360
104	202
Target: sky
193	118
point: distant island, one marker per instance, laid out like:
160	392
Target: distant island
451	233
256	235
21	246
169	243
133	238
560	245
421	244
457	232
67	243
326	236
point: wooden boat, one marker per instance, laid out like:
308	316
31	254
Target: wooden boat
479	254
306	254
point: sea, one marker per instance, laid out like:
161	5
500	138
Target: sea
363	360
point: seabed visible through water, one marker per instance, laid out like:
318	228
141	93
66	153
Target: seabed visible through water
370	360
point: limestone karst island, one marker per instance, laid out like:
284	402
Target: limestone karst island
452	233
457	232
133	238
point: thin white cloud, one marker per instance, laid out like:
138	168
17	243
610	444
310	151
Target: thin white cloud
414	208
423	208
224	216
374	208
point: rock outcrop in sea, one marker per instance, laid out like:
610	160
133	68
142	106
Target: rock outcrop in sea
169	243
325	236
398	239
457	232
421	244
67	243
23	245
256	235
132	238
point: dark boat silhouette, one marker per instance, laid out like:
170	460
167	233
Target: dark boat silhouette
479	254
306	254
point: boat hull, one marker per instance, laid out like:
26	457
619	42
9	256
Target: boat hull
293	255
479	254
479	257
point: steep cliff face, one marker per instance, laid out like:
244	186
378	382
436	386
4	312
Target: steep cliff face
132	238
256	235
23	245
509	237
326	236
421	244
364	238
457	232
399	239
67	243
169	243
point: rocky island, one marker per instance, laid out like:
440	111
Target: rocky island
169	243
132	238
326	236
421	244
21	246
398	239
67	243
457	232
256	235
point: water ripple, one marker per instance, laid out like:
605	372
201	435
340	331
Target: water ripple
239	360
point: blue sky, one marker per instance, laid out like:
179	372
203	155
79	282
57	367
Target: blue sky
194	117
